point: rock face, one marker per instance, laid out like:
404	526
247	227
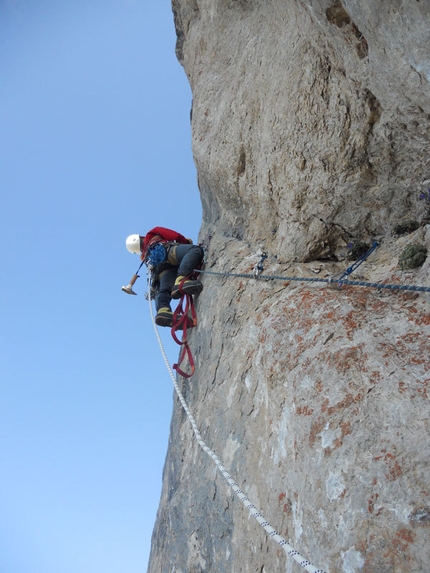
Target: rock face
311	134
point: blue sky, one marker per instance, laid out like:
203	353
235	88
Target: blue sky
95	145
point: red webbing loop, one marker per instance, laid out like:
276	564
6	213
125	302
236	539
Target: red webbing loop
182	321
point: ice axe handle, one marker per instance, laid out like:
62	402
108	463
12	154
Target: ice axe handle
134	279
129	288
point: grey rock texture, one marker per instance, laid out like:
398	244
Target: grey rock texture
311	130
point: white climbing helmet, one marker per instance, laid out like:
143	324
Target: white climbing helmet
133	244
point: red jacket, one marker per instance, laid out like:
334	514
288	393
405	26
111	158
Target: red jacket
162	234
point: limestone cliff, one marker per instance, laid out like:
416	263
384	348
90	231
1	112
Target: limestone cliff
311	136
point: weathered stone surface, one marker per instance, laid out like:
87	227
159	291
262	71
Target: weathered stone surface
310	130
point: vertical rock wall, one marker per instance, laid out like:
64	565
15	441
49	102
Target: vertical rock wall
311	132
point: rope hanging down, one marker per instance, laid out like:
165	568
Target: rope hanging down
273	534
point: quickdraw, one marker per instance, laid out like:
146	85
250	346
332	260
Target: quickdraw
357	263
259	266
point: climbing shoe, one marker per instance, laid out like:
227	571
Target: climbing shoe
188	287
165	317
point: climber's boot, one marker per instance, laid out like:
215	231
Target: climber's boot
165	318
188	287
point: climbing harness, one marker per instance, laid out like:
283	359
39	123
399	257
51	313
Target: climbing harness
357	263
273	534
182	321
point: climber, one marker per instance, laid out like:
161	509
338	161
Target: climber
171	259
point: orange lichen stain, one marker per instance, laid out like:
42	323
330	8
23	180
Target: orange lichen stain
394	468
286	507
371	502
423	391
375	376
319	386
344	359
350	323
422	319
346	402
420	360
403	538
360	302
262	336
346	428
386	354
399	546
420	389
304	411
316	428
406	535
361	546
410	338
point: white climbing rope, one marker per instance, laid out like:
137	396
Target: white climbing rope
289	550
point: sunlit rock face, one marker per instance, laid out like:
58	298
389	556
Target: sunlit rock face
311	136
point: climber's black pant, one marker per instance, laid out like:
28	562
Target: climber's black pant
181	261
